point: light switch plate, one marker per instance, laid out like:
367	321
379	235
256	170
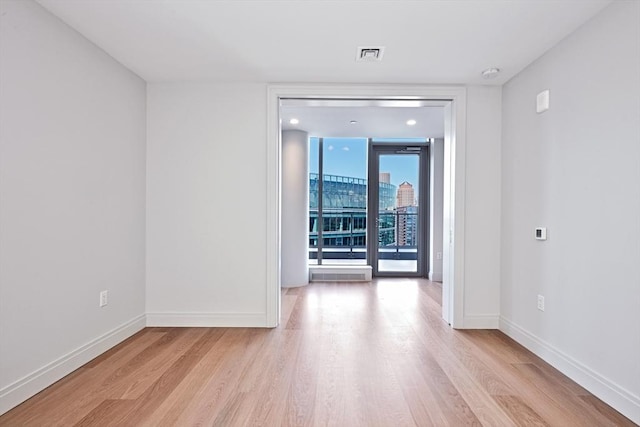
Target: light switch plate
542	101
104	298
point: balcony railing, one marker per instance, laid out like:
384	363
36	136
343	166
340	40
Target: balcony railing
344	234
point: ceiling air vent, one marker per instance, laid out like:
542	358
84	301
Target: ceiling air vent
369	54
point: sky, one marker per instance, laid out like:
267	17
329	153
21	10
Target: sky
348	157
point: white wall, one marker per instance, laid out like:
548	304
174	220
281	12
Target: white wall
206	204
206	225
72	194
295	209
436	183
576	170
482	208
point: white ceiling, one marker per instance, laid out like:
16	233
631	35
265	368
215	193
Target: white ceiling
372	121
430	41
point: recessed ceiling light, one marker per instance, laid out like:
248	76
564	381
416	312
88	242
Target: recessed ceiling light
491	73
411	122
353	122
294	121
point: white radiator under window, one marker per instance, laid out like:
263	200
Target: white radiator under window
341	273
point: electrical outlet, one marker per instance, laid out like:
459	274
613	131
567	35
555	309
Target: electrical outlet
540	303
438	255
104	298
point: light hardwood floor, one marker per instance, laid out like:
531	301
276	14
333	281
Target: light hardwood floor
365	354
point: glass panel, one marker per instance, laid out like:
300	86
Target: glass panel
344	200
314	144
398	213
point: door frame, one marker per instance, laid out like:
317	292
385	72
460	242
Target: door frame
376	149
453	100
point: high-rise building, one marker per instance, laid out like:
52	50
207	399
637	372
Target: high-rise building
405	195
385	177
407	226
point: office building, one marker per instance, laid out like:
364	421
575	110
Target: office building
406	195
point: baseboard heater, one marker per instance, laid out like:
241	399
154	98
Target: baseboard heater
340	273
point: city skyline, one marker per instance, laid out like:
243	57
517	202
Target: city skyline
348	157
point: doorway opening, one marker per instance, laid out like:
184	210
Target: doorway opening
452	102
398	208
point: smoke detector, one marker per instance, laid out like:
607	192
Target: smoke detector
369	53
491	73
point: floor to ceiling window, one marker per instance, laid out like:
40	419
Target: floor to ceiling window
340	200
337	200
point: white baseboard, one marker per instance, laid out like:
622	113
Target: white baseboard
619	398
16	393
210	320
434	276
481	321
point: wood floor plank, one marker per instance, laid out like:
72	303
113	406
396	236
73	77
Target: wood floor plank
502	348
154	369
101	414
148	363
606	410
345	354
82	390
221	382
109	354
471	378
287	304
582	414
552	408
383	392
423	402
330	408
520	412
186	391
269	410
459	406
301	397
434	291
155	395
